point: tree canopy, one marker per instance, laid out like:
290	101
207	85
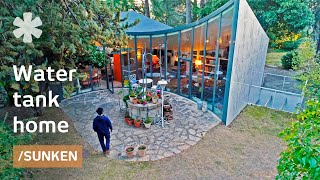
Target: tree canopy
69	29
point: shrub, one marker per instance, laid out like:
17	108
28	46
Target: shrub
301	159
8	140
287	60
305	53
289	45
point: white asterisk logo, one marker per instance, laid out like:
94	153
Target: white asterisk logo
27	27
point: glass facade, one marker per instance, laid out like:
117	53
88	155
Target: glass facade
185	61
172	61
223	46
198	59
193	59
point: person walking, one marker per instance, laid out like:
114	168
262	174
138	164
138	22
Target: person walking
102	126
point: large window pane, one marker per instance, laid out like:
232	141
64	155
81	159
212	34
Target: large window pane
129	59
224	46
210	61
172	60
185	65
197	59
143	44
157	58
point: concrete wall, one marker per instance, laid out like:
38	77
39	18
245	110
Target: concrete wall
250	51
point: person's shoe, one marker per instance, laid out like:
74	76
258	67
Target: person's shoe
106	152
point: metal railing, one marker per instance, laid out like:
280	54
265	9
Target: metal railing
282	82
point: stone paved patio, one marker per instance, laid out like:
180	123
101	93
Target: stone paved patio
187	128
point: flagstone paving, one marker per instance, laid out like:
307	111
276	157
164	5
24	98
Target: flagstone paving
187	128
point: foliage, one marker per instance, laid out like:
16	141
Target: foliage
210	6
287	43
281	18
68	89
287	60
127	5
170	12
148	120
95	57
305	52
301	159
309	67
142	147
68	28
8	140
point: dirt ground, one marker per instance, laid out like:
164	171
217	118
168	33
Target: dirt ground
248	149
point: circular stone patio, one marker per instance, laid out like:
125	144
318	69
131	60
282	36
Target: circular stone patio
187	128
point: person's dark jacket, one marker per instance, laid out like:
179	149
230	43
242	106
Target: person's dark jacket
101	125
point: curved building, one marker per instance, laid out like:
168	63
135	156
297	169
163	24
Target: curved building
215	59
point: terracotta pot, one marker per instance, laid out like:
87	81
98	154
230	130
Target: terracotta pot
142	152
135	101
130	122
137	124
130	151
126	120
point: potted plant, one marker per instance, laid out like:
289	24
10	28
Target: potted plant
130	121
126	83
147	122
126	118
155	99
142	150
140	101
132	96
135	101
137	123
125	99
130	151
144	102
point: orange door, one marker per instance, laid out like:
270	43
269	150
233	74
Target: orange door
117	67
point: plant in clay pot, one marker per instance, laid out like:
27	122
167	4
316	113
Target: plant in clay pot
130	121
135	101
126	118
130	151
137	123
142	150
144	102
147	122
140	101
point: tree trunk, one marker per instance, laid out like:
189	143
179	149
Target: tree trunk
202	3
188	11
146	8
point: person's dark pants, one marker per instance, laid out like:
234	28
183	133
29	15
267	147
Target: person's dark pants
104	146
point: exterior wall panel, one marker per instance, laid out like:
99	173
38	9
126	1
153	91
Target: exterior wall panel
250	51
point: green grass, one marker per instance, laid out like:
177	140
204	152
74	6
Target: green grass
264	120
254	132
274	58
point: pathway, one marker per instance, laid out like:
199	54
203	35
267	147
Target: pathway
187	128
